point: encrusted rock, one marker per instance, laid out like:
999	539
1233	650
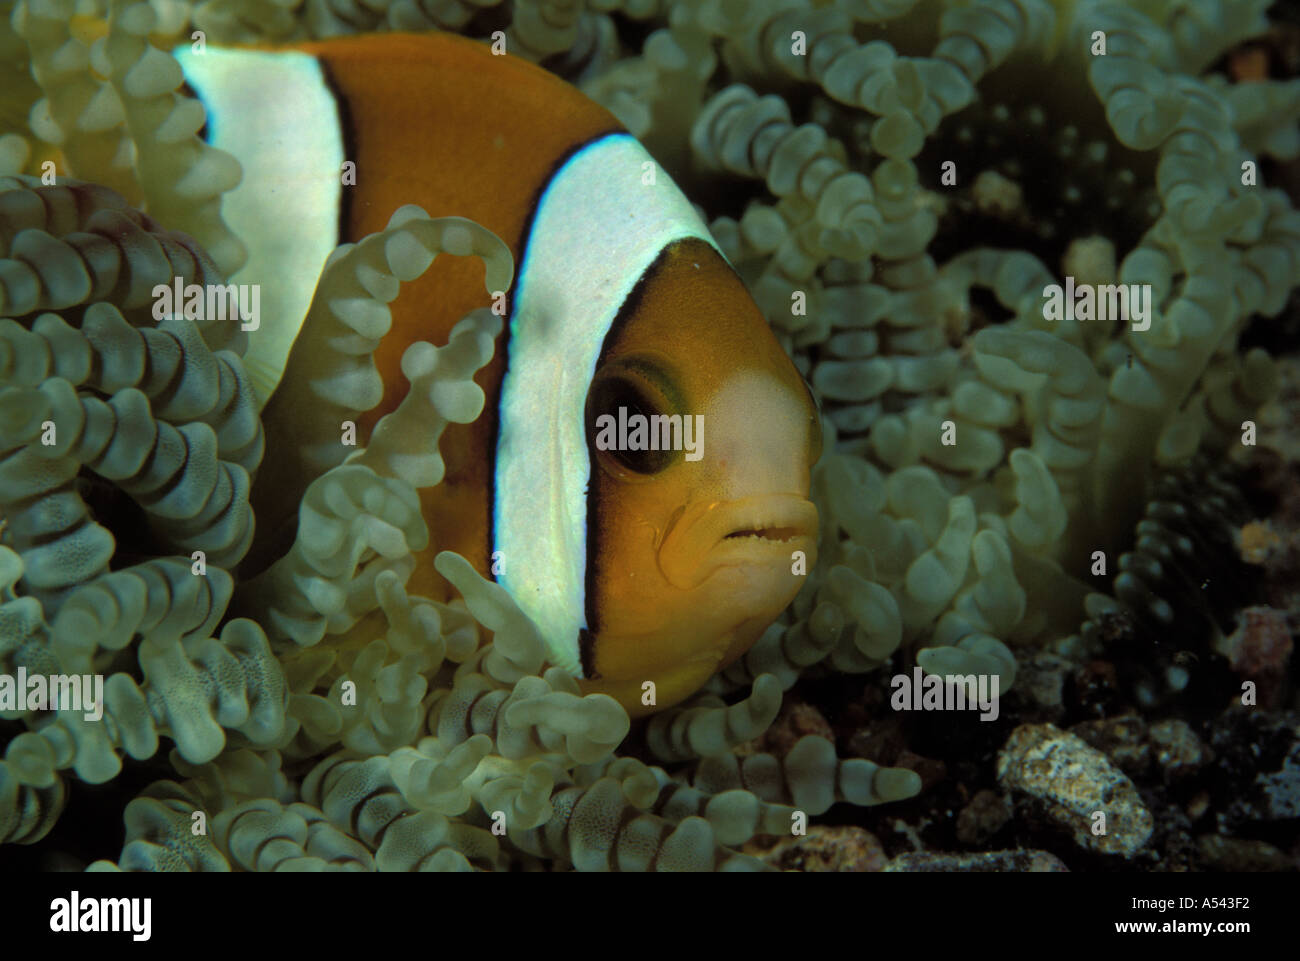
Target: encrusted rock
930	770
1040	680
796	720
1256	774
825	849
878	739
982	863
1122	739
1240	854
1070	784
1197	806
985	815
1282	787
1256	541
1259	650
1096	684
1178	750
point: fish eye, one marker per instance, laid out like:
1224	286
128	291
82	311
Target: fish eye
621	408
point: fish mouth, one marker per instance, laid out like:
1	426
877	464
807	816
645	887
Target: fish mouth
759	530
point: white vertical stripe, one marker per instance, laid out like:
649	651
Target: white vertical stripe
276	114
598	227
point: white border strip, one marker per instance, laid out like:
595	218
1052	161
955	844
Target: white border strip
276	114
598	227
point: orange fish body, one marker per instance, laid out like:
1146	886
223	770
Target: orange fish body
647	557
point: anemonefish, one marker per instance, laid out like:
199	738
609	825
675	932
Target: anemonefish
637	565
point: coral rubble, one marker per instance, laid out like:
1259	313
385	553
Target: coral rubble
897	182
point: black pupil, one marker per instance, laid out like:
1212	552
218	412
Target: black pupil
607	398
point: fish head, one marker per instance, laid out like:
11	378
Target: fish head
701	435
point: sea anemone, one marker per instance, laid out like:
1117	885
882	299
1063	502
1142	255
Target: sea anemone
897	182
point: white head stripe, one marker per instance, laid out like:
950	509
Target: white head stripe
276	114
598	226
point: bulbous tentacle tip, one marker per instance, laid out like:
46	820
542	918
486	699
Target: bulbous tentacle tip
897	784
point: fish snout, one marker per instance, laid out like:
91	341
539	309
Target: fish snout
758	531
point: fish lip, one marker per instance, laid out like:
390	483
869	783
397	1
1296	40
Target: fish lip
758	529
